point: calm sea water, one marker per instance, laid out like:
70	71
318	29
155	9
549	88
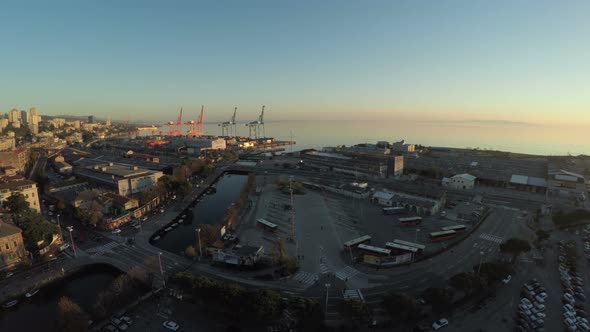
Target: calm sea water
514	137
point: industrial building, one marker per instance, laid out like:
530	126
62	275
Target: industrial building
61	166
411	202
528	183
566	184
460	182
370	166
121	178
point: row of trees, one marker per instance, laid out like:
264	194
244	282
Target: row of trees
239	304
232	300
285	186
564	220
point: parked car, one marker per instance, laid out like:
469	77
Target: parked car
171	325
507	279
440	324
116	231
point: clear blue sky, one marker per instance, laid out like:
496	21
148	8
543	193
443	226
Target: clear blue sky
145	59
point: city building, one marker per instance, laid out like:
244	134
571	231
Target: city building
7	143
91	119
16	158
10	184
61	166
365	165
123	179
142	156
58	122
75	124
460	181
107	123
12	249
123	202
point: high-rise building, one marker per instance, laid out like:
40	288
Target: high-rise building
3	124
14	116
91	119
108	122
24	118
34	120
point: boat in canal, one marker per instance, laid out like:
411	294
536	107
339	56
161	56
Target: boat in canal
167	229
10	304
174	224
156	238
32	293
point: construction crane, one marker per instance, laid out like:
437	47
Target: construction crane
228	128
257	125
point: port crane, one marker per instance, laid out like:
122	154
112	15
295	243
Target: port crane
257	125
196	128
175	127
228	128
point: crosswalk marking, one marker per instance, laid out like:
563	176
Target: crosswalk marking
347	272
491	237
306	277
102	249
353	294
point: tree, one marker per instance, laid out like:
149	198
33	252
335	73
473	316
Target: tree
16	203
465	282
515	246
440	298
190	251
279	252
265	304
493	271
356	310
72	318
209	234
400	306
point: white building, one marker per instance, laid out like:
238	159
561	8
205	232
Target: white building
460	181
28	188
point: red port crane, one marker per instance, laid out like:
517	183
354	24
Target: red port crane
175	128
196	128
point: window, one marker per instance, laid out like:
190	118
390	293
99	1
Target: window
7	247
15	244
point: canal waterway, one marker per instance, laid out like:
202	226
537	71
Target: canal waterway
210	210
39	313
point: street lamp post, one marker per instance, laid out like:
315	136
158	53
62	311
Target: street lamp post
327	292
198	230
416	240
71	229
61	236
160	260
481	253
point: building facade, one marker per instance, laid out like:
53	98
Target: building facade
12	249
7	143
16	159
365	165
566	184
14	184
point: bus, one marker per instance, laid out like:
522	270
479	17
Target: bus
442	235
352	244
410	221
456	228
397	248
267	225
394	210
374	251
420	247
